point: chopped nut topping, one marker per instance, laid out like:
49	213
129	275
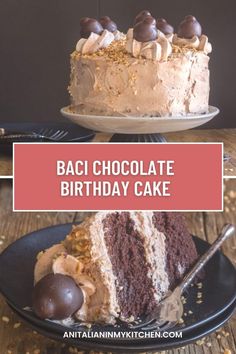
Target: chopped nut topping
117	53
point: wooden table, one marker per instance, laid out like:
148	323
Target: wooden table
18	338
5	165
227	136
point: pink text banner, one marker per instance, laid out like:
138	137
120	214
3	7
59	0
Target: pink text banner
90	177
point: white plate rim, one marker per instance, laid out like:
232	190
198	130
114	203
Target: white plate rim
139	125
212	110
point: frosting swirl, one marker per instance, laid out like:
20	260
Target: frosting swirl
95	41
159	49
200	43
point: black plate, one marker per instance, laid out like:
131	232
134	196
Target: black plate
17	262
165	344
76	133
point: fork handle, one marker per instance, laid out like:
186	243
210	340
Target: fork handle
17	138
227	231
6	133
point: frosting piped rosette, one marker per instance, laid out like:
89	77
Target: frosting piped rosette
190	35
146	40
97	34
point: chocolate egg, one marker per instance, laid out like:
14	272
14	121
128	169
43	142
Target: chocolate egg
108	24
146	30
89	25
141	16
164	26
189	28
56	297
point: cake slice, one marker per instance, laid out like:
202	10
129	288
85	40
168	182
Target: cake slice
124	262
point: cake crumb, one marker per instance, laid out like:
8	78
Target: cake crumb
232	194
17	325
5	319
131	319
201	341
199	302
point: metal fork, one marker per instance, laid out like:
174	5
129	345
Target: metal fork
170	310
44	134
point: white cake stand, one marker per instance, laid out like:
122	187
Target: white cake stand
138	129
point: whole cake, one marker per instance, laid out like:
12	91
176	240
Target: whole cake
150	71
114	265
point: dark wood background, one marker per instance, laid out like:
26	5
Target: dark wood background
37	36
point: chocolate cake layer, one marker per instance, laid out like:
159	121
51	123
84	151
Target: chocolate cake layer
125	246
181	252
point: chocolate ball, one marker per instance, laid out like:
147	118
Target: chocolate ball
56	297
89	25
141	16
164	26
146	30
108	24
189	28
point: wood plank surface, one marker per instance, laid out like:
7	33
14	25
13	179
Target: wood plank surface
5	165
18	338
227	136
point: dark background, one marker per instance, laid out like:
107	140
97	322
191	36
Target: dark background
37	36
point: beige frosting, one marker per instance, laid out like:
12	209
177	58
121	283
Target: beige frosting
95	41
155	251
100	305
92	273
197	43
45	260
118	35
115	83
159	49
